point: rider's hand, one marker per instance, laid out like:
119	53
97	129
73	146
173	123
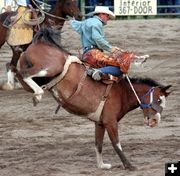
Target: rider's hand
114	49
8	9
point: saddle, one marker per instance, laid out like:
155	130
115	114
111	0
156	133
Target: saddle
19	33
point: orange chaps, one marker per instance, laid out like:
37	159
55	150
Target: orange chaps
97	59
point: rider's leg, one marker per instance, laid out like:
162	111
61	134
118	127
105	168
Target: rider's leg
112	70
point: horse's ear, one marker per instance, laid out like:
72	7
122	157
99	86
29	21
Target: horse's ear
164	90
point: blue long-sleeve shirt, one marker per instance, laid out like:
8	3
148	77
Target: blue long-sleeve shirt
91	31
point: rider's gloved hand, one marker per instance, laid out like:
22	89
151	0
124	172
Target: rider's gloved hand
115	48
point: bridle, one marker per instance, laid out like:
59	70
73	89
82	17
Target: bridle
149	93
151	103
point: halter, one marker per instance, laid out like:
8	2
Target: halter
150	92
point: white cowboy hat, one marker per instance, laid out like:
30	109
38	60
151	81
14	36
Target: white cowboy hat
103	9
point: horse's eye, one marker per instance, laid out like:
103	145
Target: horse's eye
159	101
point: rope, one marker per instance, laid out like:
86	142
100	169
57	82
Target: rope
33	22
49	14
133	89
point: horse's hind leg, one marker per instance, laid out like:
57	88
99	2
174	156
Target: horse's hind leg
112	129
99	135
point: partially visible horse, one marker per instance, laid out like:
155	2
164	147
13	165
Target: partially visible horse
81	95
55	17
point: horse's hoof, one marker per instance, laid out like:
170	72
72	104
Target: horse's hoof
131	168
37	98
105	166
18	86
7	86
35	101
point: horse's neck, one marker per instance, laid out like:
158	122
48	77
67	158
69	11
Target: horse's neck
140	90
55	21
57	10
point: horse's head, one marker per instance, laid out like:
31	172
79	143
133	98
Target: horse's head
70	8
152	103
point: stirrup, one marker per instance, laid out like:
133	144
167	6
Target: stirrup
90	71
97	75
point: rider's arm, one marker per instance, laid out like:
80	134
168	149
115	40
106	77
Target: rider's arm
101	42
99	39
76	25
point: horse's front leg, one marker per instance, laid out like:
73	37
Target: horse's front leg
38	91
10	84
112	129
99	136
27	78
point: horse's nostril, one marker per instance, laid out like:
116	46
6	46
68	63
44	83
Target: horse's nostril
153	122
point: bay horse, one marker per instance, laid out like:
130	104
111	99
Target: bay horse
81	95
55	17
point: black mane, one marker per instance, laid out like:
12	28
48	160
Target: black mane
147	81
49	36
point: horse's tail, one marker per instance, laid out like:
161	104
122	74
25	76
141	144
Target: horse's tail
48	35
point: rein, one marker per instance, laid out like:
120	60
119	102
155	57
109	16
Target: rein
49	14
37	20
150	92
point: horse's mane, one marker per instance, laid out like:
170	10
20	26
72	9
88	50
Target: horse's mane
147	81
49	36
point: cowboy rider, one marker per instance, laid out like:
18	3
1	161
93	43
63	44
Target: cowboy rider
94	42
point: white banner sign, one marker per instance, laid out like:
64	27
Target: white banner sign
135	7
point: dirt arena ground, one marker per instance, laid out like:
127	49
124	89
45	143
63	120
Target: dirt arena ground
36	142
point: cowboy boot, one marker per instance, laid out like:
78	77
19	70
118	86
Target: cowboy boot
97	75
